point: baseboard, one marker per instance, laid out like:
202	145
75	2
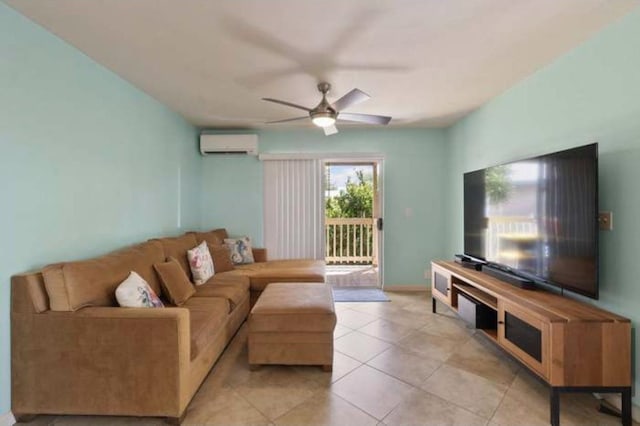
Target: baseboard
7	419
421	287
616	401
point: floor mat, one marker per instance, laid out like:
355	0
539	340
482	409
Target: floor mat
359	294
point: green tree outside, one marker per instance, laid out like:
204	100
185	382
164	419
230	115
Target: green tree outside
497	184
356	200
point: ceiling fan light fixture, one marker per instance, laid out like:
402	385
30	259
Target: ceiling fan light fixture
324	115
323	119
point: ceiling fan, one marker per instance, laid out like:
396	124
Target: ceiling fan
325	114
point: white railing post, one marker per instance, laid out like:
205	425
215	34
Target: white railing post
349	240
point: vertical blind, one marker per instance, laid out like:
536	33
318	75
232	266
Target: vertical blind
293	209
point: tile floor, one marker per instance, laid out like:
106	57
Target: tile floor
395	363
352	275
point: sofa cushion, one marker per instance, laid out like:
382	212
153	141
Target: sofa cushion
221	258
207	317
93	282
175	284
177	247
134	292
234	277
300	270
294	307
215	236
201	263
234	288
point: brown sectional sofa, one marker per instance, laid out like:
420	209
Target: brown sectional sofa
264	272
74	351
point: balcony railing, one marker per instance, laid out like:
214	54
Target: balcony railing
350	240
502	229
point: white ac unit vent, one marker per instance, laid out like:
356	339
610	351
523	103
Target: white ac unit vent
229	144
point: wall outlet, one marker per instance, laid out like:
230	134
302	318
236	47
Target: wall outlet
605	220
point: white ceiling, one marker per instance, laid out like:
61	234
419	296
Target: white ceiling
424	62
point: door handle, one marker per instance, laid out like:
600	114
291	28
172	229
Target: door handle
379	224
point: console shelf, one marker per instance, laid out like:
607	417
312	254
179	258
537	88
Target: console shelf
491	334
478	294
571	345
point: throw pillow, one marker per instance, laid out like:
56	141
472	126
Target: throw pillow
221	258
201	263
175	283
240	249
134	292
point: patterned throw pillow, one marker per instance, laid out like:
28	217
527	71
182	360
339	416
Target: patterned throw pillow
201	263
240	249
134	292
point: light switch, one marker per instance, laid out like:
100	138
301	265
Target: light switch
605	220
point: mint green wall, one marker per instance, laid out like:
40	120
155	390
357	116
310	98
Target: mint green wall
88	163
591	94
232	195
413	176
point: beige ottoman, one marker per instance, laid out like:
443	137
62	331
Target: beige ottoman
292	324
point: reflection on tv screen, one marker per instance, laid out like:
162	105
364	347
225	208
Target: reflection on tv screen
537	217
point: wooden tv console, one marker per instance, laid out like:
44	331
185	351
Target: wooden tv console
571	345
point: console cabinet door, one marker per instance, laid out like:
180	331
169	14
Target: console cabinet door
525	336
441	284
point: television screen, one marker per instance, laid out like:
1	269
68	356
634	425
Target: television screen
538	217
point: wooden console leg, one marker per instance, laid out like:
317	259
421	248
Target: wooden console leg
254	367
433	305
555	406
327	368
24	417
626	407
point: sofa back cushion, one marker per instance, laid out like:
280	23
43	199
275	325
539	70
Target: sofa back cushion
28	294
93	282
215	237
221	258
177	247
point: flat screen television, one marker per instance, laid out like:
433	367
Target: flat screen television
538	218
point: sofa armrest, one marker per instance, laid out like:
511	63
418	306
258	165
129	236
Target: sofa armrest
259	254
93	360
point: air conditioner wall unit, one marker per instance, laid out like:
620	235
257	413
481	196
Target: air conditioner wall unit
228	144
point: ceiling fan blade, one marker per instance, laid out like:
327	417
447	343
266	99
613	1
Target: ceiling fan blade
306	117
330	130
353	97
286	103
364	118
